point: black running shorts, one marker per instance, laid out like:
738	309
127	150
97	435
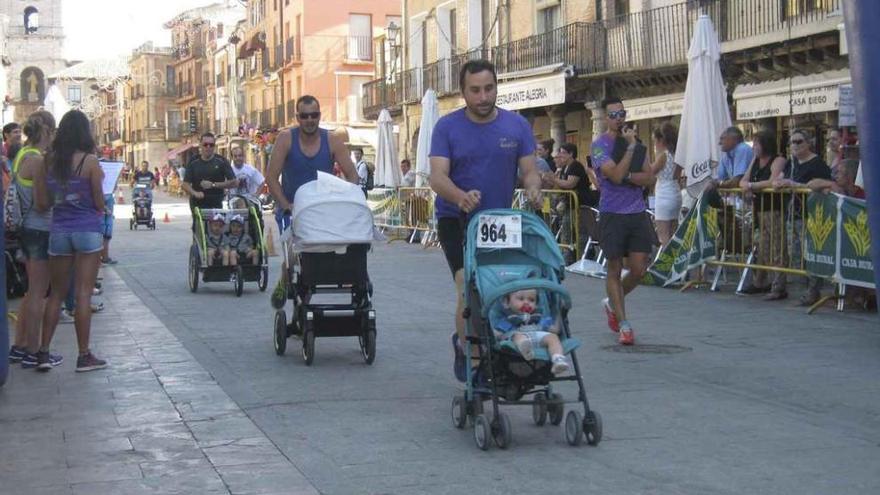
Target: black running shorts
451	234
622	234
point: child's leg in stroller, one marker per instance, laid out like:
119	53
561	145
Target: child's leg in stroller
224	256
253	255
524	344
552	343
233	257
554	346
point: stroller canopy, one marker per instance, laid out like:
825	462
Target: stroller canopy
331	211
536	263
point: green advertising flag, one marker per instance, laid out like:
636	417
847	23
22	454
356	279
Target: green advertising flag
856	266
821	235
691	245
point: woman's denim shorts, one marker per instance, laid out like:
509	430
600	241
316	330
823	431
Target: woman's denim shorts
69	243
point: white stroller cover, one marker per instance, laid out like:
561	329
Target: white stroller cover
329	212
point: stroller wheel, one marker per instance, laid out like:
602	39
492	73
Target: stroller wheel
482	431
239	281
368	346
194	264
593	428
574	428
280	332
308	350
501	431
459	412
539	409
264	279
556	409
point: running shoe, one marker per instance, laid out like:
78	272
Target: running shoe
16	354
97	291
97	307
88	362
613	324
66	316
627	336
560	365
44	363
109	261
29	361
55	360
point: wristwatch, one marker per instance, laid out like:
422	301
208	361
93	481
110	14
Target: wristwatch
213	185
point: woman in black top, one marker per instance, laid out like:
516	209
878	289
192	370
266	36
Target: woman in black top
801	168
571	174
757	184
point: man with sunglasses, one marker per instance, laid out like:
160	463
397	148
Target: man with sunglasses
207	176
625	228
297	158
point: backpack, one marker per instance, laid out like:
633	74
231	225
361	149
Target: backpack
13	216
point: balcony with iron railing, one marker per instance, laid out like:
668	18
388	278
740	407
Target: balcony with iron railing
279	117
292	50
291	111
184	90
644	40
359	48
278	61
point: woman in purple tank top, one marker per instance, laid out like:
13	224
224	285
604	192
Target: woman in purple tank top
70	185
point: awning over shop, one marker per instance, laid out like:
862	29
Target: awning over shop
533	92
654	107
172	154
794	96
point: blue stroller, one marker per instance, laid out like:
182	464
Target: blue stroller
507	251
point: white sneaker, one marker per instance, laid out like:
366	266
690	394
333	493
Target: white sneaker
560	365
65	317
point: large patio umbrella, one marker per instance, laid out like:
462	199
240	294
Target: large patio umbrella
387	172
55	103
705	114
430	116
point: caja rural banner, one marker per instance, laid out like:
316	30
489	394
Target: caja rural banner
692	245
838	240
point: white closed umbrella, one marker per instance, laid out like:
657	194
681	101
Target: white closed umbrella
55	103
705	115
387	172
430	116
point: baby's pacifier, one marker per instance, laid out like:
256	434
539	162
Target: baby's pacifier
527	308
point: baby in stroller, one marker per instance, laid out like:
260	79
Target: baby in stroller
218	241
527	329
239	243
143	201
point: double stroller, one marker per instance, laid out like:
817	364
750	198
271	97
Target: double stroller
325	244
142	207
204	269
528	258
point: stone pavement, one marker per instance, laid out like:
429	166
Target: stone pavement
153	422
726	394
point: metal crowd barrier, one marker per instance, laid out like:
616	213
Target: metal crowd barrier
761	233
410	212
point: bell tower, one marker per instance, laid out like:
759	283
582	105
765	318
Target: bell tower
34	48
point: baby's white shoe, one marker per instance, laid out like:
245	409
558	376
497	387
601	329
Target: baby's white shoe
560	364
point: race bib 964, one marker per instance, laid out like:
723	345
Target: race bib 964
500	231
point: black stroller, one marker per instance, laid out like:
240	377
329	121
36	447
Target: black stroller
142	207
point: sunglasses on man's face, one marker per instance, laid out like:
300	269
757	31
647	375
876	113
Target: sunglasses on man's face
208	145
309	115
797	141
619	114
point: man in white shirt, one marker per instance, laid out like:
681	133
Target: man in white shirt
407	173
361	166
249	178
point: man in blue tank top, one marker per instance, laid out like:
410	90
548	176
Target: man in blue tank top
476	154
302	152
297	158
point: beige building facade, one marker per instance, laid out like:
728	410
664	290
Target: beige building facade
150	97
557	59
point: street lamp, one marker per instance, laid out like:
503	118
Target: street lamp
392	32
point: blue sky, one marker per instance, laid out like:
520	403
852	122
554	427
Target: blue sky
108	28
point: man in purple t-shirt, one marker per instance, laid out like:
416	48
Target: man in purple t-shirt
476	153
626	230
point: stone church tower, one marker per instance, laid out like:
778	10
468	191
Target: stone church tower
34	40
